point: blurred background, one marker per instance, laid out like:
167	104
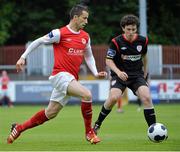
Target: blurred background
23	21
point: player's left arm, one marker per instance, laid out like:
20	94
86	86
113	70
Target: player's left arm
90	61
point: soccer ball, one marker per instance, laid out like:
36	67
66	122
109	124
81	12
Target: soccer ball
157	132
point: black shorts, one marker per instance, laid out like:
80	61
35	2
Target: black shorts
131	83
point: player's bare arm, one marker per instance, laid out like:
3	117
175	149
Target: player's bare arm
122	75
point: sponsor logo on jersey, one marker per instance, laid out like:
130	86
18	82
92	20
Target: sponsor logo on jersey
73	51
111	53
50	34
83	41
131	57
139	48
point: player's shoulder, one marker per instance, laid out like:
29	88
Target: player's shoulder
142	38
63	29
84	32
117	39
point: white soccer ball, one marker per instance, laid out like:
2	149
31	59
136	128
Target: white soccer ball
157	132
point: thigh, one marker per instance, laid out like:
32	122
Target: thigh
59	96
76	89
53	109
114	95
117	83
143	91
136	83
60	83
54	106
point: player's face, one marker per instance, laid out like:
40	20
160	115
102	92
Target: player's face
82	20
4	73
130	31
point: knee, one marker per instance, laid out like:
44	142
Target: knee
50	114
114	98
87	95
111	101
146	99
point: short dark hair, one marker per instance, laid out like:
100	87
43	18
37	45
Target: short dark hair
129	19
77	10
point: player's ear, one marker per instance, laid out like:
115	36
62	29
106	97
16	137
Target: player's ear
123	29
75	16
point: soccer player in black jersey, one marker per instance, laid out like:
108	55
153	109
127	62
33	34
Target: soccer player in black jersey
127	60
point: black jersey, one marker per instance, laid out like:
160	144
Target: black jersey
126	55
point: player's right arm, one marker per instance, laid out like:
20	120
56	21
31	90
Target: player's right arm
52	37
111	53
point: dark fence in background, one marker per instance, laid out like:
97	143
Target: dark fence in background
170	56
99	52
10	54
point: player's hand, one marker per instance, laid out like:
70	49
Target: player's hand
101	75
122	75
20	64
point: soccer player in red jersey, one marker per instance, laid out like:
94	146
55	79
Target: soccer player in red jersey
71	45
4	80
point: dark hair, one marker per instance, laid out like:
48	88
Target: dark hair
77	10
85	2
129	19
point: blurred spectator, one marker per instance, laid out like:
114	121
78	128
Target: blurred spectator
4	94
123	100
119	106
139	104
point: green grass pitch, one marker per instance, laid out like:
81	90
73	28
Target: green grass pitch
120	132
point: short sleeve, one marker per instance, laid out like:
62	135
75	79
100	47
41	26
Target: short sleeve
111	52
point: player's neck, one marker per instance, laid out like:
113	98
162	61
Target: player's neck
130	39
73	27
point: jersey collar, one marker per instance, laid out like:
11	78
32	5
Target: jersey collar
135	38
72	30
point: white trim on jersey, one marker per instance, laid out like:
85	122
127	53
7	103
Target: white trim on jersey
52	37
74	32
89	58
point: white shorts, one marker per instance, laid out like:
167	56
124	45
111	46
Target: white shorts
4	93
60	83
